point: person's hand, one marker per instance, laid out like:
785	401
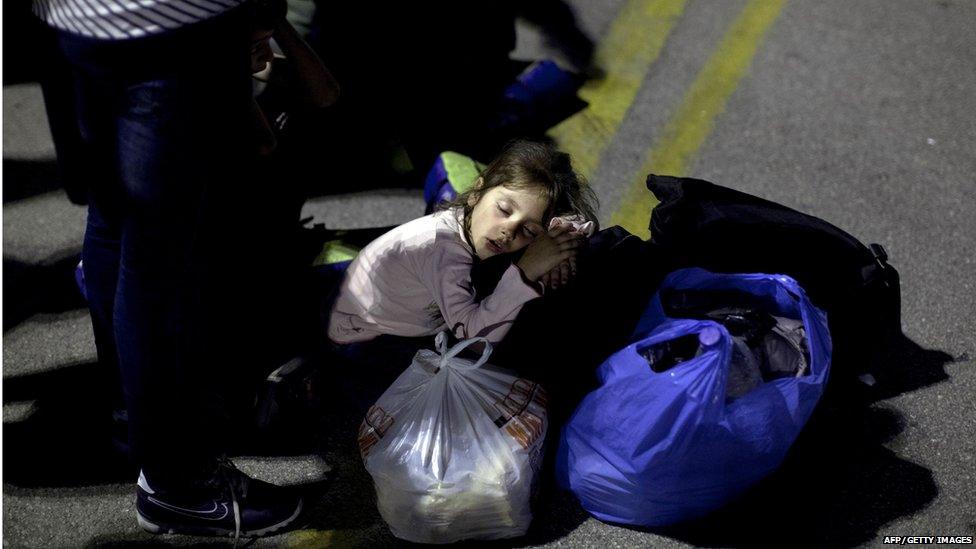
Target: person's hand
561	275
316	86
548	251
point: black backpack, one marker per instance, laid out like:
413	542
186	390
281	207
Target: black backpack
702	224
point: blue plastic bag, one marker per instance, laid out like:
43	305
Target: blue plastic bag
654	448
451	175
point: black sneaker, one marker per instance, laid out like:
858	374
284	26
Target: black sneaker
228	504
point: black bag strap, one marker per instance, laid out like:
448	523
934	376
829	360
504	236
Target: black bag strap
879	271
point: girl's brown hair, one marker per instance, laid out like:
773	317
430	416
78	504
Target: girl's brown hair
531	164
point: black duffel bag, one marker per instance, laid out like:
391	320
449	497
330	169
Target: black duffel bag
723	230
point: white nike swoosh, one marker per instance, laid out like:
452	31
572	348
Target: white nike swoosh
196	513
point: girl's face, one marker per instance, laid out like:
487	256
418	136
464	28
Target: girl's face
506	220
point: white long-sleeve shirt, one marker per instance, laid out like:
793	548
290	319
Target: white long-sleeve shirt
416	281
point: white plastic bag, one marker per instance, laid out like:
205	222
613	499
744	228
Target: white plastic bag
453	447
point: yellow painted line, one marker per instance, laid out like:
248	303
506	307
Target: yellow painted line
626	53
311	538
705	100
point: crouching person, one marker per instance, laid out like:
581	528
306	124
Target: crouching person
529	209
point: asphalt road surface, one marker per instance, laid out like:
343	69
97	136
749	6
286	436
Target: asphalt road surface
862	113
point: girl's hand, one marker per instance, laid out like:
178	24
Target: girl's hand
548	251
561	275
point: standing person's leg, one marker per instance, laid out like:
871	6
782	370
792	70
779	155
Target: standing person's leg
146	187
101	253
179	123
182	140
192	146
159	302
86	156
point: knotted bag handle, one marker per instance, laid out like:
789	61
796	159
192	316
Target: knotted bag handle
447	354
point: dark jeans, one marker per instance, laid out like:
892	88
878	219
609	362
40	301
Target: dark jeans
164	130
363	371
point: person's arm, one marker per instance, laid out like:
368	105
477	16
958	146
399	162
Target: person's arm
318	87
447	274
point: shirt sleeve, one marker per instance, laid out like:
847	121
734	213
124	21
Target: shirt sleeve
449	280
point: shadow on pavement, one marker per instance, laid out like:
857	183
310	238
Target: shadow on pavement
66	438
840	484
26	178
48	287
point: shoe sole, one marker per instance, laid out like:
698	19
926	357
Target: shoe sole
161	528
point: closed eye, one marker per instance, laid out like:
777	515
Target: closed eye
503	210
528	232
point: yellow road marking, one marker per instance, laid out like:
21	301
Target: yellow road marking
626	53
705	100
311	538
